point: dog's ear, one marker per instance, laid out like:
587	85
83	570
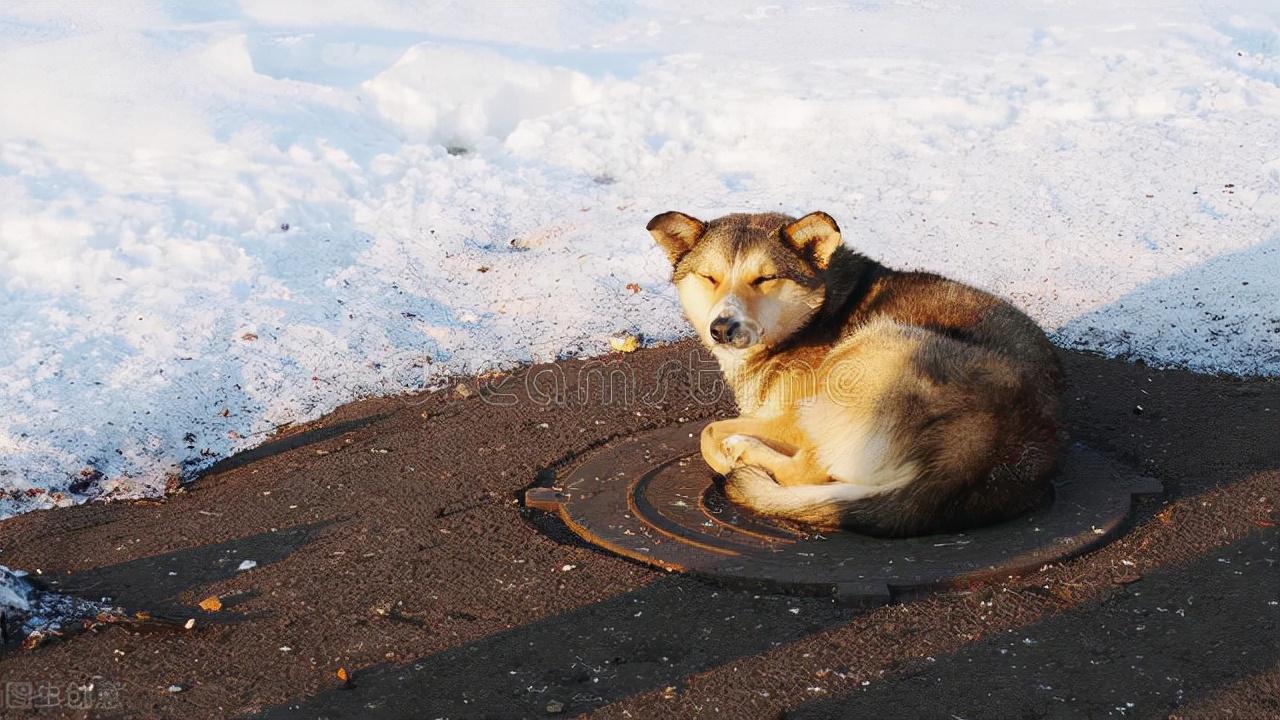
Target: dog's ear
676	233
815	235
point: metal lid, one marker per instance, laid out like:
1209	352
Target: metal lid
653	499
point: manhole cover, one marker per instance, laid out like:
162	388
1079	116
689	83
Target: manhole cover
652	499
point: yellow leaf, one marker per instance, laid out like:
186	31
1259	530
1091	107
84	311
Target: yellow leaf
211	604
342	674
624	342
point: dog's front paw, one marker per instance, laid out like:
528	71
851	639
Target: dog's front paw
735	446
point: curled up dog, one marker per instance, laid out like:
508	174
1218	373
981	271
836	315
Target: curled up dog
885	402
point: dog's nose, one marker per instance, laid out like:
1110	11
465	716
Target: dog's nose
724	329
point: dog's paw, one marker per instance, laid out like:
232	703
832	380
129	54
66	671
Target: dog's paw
735	446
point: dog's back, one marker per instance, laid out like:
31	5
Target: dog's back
974	408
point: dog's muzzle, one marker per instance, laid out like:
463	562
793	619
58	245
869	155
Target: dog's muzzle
735	331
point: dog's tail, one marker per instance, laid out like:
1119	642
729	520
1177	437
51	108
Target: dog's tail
919	508
822	506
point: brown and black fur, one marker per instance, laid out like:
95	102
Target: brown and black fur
891	403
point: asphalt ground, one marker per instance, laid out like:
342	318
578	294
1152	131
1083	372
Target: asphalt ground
391	549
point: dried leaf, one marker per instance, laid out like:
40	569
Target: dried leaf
342	674
624	342
211	604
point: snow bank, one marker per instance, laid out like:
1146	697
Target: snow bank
219	218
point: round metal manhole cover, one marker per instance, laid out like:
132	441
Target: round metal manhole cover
653	499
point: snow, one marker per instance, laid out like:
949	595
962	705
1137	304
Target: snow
27	609
218	218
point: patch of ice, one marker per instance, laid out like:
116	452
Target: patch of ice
26	609
13	591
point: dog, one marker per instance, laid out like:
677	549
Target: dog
885	402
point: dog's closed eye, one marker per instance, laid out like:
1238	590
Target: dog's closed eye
711	279
760	282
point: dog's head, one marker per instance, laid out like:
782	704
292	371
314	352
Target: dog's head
748	282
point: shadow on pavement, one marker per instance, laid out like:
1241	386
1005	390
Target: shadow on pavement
1178	634
650	638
